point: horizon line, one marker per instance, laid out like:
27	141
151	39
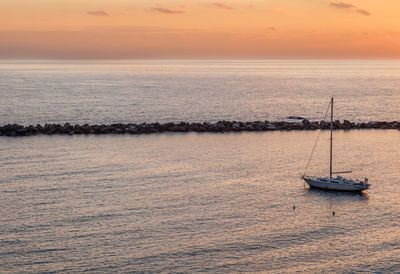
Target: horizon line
202	59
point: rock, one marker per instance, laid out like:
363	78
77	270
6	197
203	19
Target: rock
21	131
363	125
183	128
346	124
250	127
296	118
323	125
173	128
32	129
104	129
336	124
305	122
220	126
118	131
132	130
258	126
271	127
314	125
49	129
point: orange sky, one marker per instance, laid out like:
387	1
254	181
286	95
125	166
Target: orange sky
196	29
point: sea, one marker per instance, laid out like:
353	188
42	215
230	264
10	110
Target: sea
197	202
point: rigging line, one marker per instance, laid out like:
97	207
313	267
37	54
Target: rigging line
316	140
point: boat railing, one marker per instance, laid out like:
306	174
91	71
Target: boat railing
342	172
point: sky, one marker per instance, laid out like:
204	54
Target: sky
199	29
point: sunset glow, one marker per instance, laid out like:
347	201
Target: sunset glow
117	29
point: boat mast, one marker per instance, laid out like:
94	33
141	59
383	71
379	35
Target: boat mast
330	166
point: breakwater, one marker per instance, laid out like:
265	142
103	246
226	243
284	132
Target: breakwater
221	126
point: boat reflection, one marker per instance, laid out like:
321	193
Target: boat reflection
317	192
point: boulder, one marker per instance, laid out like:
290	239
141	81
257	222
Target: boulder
305	122
296	118
271	126
132	130
118	130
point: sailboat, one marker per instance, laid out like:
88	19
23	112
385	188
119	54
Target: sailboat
338	183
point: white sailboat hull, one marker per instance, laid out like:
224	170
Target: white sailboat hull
336	184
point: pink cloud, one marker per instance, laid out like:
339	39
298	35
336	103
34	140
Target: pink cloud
342	5
364	12
350	7
167	10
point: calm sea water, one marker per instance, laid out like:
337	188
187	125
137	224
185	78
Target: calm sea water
196	91
197	202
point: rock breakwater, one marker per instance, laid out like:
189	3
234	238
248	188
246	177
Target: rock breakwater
221	126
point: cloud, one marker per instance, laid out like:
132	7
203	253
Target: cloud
349	6
364	12
342	5
98	13
167	10
222	6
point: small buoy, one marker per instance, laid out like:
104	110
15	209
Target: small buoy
333	213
